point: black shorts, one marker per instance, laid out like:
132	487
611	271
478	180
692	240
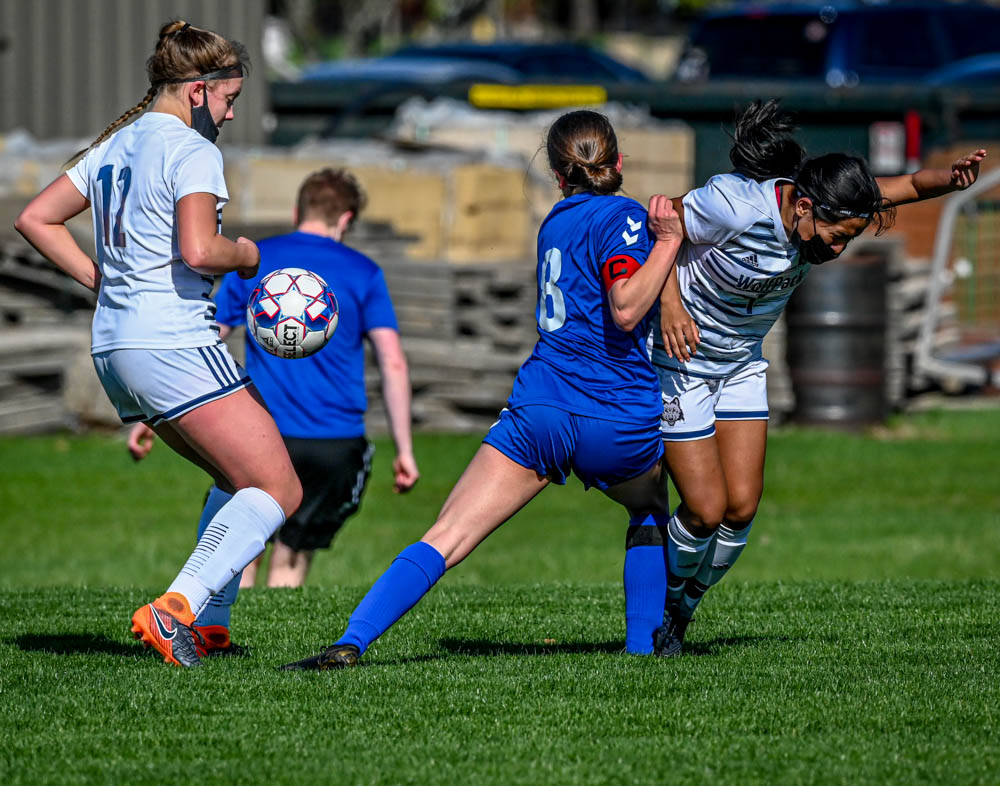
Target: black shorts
333	473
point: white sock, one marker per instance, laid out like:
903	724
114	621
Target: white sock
685	553
727	545
234	537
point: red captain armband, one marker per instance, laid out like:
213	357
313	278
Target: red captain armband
618	268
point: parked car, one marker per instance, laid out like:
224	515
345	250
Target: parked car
408	70
507	63
981	70
841	43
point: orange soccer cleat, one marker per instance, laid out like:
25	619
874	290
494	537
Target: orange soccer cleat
212	641
166	625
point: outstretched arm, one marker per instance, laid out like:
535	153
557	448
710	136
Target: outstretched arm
396	392
43	224
930	183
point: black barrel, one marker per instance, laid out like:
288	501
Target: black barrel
837	342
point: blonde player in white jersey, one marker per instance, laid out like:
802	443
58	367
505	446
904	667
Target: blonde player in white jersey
156	189
751	238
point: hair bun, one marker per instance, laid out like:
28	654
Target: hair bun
177	26
583	148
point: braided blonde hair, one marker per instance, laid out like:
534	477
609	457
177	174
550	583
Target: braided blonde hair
182	51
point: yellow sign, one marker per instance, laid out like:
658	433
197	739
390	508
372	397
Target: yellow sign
535	96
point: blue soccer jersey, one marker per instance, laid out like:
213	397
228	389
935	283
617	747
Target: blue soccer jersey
321	396
583	363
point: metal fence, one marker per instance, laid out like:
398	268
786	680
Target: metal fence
976	269
965	287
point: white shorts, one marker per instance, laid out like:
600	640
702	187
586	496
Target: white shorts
162	384
691	405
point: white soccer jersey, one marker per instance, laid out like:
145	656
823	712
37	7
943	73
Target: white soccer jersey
736	271
149	298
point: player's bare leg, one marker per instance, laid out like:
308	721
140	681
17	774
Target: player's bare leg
644	494
491	490
249	577
698	473
255	463
252	457
742	450
288	568
742	445
173	439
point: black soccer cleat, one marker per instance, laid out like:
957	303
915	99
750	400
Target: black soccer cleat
337	656
668	639
232	650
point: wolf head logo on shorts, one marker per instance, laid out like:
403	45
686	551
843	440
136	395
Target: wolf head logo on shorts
672	412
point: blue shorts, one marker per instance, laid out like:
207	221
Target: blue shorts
553	442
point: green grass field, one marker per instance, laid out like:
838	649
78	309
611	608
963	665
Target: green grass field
855	641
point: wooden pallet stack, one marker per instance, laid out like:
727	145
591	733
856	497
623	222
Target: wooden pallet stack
466	330
44	326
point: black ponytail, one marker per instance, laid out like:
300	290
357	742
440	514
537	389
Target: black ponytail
763	146
840	186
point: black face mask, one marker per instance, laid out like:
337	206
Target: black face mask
814	250
201	117
203	122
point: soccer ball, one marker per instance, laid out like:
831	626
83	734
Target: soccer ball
292	313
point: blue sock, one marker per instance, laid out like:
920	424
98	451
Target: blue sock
645	581
220	605
408	579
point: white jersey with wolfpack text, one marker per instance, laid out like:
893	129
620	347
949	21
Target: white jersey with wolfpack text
736	271
149	298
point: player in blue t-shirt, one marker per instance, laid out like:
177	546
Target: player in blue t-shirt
318	402
587	399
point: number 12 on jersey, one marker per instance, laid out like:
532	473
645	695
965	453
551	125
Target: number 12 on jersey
106	174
